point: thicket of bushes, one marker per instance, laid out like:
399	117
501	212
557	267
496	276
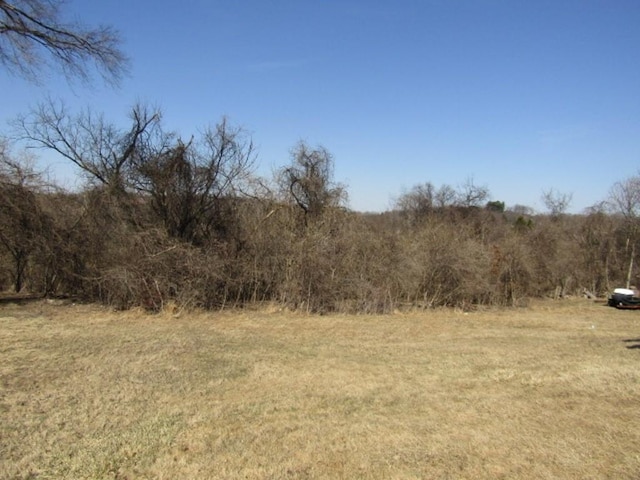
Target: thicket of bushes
165	222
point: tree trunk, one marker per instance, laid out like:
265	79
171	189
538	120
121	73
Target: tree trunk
633	253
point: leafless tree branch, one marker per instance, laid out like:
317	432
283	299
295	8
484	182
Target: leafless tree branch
33	36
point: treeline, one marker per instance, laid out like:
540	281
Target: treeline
163	221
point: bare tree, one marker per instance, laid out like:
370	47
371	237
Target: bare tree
33	36
189	181
445	196
309	180
422	199
102	151
624	199
556	202
18	169
472	195
417	202
23	222
519	209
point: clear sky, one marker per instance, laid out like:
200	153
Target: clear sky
520	95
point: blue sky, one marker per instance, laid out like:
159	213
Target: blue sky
522	96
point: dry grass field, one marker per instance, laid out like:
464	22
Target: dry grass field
551	391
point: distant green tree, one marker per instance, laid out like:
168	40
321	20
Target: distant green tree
495	206
523	224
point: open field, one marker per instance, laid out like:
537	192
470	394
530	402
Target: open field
551	391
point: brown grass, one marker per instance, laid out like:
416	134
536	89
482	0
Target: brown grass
547	392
